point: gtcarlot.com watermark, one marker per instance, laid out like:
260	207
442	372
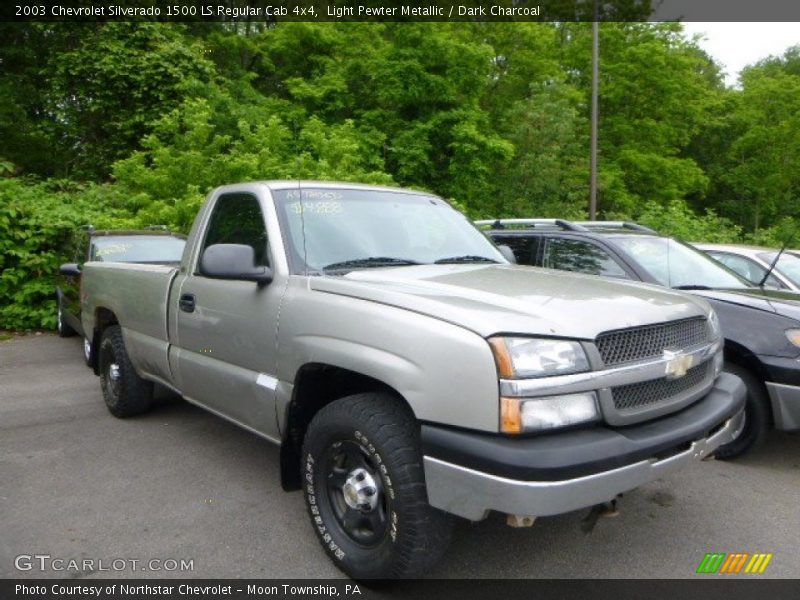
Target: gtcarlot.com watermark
48	563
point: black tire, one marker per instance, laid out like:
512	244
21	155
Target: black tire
62	328
757	416
395	533
126	394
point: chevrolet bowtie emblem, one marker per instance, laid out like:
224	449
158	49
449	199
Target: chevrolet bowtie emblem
678	363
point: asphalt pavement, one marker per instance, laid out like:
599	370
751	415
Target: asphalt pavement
181	484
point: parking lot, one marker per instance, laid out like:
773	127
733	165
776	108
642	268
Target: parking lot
179	483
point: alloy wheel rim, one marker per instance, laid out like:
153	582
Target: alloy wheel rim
114	377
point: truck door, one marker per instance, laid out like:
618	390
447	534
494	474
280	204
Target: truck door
226	342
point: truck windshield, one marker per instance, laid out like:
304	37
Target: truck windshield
137	248
332	230
788	265
676	265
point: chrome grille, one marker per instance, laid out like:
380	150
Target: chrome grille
650	341
644	393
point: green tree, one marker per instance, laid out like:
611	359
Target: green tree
77	97
765	157
656	89
750	148
108	90
188	153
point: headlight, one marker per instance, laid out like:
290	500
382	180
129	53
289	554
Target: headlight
518	415
794	336
713	324
519	358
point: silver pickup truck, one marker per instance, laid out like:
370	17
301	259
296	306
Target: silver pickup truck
406	369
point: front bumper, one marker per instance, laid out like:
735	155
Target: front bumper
785	401
470	474
782	380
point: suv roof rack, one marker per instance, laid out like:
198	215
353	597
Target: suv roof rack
504	223
616	225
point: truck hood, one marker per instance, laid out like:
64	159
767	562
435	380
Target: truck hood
490	299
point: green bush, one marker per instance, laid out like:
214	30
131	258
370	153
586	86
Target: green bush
37	221
678	220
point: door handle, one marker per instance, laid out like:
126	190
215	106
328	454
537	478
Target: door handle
187	303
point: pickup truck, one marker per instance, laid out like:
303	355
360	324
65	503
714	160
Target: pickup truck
151	245
407	370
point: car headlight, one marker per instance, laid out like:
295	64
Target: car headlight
713	324
794	336
519	358
520	415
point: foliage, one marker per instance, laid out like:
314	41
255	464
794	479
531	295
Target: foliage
187	155
36	223
786	232
654	96
96	94
134	124
752	152
677	219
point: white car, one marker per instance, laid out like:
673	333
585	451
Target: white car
752	263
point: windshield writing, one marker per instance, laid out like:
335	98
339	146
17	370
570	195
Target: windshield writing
357	229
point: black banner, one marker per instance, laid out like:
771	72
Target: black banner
399	10
712	588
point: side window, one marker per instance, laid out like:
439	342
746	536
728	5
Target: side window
524	248
582	257
237	219
745	267
737	264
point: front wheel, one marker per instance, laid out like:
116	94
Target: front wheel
756	416
125	393
364	486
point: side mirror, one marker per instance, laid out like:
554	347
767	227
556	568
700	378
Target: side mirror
233	261
507	253
70	269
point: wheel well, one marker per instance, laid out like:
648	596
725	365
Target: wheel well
741	356
103	318
316	386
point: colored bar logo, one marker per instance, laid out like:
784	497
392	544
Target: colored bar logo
734	563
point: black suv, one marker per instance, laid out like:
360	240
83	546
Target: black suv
155	245
761	326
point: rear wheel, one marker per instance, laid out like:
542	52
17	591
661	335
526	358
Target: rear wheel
126	394
756	416
365	489
62	328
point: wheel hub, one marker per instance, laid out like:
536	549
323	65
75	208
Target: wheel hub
114	372
360	490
